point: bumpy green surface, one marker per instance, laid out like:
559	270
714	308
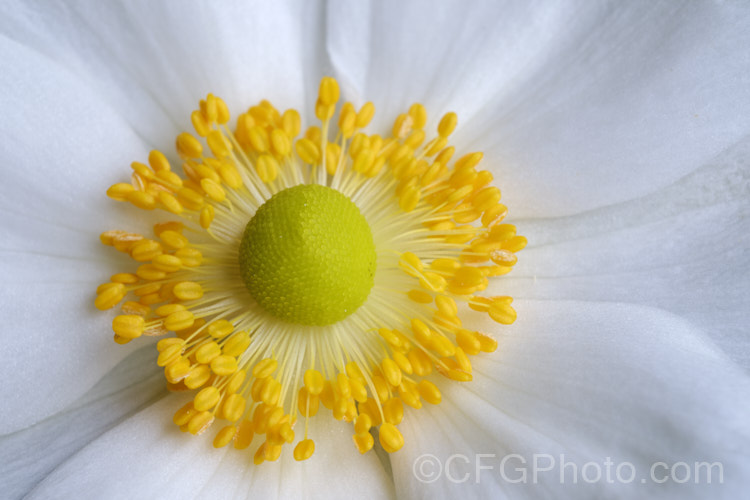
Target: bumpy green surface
307	256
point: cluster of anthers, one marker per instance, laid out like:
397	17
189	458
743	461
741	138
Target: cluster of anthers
305	271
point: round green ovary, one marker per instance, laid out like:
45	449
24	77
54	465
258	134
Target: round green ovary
307	256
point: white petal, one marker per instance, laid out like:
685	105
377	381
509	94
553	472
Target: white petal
680	248
576	105
153	61
592	382
58	157
148	457
27	456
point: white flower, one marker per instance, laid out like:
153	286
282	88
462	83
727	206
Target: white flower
618	132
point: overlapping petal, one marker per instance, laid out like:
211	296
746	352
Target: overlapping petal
585	382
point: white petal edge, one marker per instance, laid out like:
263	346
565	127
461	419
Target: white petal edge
57	147
148	457
29	455
575	105
587	381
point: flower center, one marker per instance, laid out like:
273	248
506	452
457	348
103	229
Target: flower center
307	256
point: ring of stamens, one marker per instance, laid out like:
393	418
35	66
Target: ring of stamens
439	238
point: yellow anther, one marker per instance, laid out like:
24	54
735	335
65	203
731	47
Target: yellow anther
341	386
158	161
218	144
188	290
244	436
142	199
207	216
486	198
515	244
143	172
409	198
167	263
362	424
214	190
170	354
347	120
442	345
304	449
393	410
419	114
173	239
458	375
129	326
308	151
402	362
235	381
446	305
410	264
135	308
206	399
224	365
267	167
468	161
420	296
188	146
314	382
432	282
462	359
177	370
328	93
447	124
333	154
409	394
184	414
420	362
225	436
147	289
291	123
208	108
230	175
271	392
190	198
364	159
391	371
207	352
179	320
326	395
503	257
422	332
200	422
234	407
280	142
145	250
168	309
236	344
390	438
200	124
190	257
415	139
220	328
307	404
149	272
429	392
324	112
120	191
110	296
402	126
390	337
502	312
363	442
365	114
353	371
169	202
222	112
434	146
468	342
265	368
197	376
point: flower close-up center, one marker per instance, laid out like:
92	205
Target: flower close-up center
328	269
307	256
